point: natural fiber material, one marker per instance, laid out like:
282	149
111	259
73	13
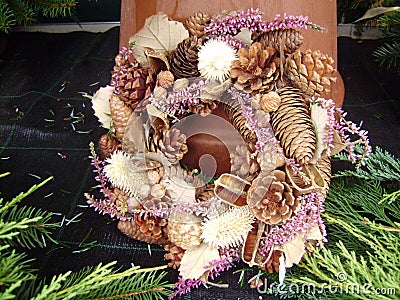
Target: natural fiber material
311	71
196	23
120	114
277	202
293	127
108	145
287	40
256	69
184	59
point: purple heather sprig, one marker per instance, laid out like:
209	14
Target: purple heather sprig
177	104
291	21
307	215
216	267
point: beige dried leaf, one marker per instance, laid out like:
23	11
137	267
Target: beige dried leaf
337	142
244	35
319	116
158	33
196	260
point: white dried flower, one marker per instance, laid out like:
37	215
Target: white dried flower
215	60
229	229
101	105
122	172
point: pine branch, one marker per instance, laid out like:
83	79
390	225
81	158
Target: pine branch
388	56
54	8
7	19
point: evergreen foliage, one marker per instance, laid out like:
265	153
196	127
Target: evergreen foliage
25	12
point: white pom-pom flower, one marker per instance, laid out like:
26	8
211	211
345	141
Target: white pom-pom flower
215	60
101	105
229	229
123	174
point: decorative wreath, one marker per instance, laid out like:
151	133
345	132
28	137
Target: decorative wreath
267	209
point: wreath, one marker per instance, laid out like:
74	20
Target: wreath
237	70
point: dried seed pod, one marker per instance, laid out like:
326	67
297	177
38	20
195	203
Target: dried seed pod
231	189
165	79
270	102
250	246
306	181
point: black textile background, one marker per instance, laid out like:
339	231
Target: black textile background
41	77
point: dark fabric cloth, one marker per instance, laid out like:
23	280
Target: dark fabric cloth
46	126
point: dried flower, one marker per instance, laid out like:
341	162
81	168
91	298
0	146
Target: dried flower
122	173
215	60
101	105
229	229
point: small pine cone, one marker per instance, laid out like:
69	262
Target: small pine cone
165	79
293	127
324	165
269	102
184	230
256	70
312	72
108	145
287	40
239	122
152	203
203	108
131	229
131	82
272	265
273	198
196	23
173	145
174	255
206	193
184	59
152	226
120	114
121	200
242	165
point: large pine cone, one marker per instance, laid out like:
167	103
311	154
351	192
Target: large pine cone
324	165
130	81
174	255
172	143
242	165
184	230
120	114
135	231
293	126
196	23
184	59
108	145
152	226
312	72
256	69
287	40
275	198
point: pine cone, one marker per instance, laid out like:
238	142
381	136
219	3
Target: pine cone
204	108
324	165
165	79
152	226
286	40
130	81
172	143
312	72
152	203
184	59
184	230
272	265
131	229
256	69
108	145
174	255
293	126
274	198
206	192
121	200
242	165
120	114
196	23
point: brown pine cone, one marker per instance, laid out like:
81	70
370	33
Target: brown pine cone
184	59
312	72
273	198
108	145
184	230
287	40
256	69
152	226
324	165
293	127
152	203
121	200
242	165
204	108
174	255
272	265
172	143
196	23
130	81
131	229
206	192
120	114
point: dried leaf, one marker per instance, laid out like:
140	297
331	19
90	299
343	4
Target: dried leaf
101	105
294	250
196	260
159	34
245	36
374	12
180	191
337	142
157	61
319	116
